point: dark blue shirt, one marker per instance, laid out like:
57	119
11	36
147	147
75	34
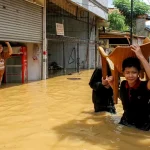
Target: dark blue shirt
136	104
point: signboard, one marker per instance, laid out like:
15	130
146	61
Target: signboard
59	29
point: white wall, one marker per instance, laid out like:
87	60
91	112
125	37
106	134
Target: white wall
34	66
103	2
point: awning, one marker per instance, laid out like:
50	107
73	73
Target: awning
71	7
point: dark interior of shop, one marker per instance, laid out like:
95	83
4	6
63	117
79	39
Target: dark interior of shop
13	44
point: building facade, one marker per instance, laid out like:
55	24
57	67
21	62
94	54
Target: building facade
76	47
22	25
32	23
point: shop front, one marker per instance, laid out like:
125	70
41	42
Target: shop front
21	25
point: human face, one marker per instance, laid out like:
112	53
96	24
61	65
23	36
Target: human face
131	74
1	48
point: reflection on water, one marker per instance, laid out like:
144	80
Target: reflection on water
59	72
57	114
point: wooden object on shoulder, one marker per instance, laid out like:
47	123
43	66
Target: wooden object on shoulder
115	60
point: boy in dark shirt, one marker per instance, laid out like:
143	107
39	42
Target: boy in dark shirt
135	94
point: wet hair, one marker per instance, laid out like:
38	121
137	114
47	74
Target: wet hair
131	62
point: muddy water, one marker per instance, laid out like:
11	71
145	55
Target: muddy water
57	114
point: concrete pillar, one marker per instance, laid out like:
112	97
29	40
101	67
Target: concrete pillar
44	60
96	46
78	58
64	58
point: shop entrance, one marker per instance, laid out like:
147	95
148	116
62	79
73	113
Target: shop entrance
64	55
16	70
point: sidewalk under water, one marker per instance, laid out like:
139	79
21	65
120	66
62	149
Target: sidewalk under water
58	114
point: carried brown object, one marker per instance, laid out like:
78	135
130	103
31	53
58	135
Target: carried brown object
115	60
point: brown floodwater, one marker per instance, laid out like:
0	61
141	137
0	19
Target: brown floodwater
57	114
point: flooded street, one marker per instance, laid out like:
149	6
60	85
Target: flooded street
57	114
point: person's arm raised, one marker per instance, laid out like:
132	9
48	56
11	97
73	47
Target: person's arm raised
9	48
137	50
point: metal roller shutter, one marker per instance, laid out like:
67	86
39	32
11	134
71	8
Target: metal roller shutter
20	21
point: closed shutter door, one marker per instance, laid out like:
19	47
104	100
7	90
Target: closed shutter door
20	21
